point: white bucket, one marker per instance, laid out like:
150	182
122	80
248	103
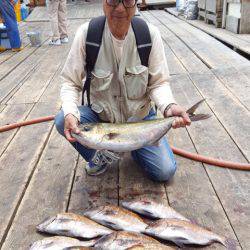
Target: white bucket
35	38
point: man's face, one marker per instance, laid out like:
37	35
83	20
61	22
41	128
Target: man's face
118	16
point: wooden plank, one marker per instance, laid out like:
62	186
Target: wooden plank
226	108
9	65
133	184
23	29
34	141
239	41
181	51
12	114
36	84
20	105
2	107
208	49
211	139
174	65
78	11
17	164
192	194
89	191
237	82
245	13
51	194
19	76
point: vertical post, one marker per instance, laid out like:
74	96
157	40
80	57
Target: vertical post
224	14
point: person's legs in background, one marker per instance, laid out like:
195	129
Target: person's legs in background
157	161
62	21
9	18
53	6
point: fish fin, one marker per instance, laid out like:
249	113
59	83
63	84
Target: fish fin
194	107
111	136
134	119
179	242
230	244
110	224
199	117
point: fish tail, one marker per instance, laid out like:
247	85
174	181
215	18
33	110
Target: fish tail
230	244
199	117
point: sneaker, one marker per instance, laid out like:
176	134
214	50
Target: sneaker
65	40
55	42
100	162
17	49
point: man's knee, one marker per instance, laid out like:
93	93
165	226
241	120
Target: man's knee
59	122
164	172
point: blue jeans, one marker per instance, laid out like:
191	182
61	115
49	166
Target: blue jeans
9	19
156	161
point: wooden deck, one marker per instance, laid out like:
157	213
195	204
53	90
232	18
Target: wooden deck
239	42
41	174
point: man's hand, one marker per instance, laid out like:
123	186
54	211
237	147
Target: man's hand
181	119
70	125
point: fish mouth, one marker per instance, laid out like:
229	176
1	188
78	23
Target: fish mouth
43	225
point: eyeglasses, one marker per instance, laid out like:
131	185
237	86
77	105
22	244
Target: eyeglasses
126	3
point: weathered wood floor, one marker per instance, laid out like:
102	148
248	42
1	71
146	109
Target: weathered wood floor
240	42
41	175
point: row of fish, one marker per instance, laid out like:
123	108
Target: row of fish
101	221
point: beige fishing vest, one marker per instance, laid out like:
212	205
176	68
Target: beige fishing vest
118	92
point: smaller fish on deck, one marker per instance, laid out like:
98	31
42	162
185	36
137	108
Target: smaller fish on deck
153	210
117	218
126	240
60	243
72	225
183	232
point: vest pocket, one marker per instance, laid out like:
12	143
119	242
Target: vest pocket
136	80
101	80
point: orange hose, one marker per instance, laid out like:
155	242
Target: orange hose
211	161
181	152
25	123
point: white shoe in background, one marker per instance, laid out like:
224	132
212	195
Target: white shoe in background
65	40
55	42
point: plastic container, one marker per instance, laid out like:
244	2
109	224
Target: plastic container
191	10
24	11
180	5
35	38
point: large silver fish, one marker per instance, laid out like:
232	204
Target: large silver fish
117	218
59	243
183	232
123	137
153	210
126	240
72	225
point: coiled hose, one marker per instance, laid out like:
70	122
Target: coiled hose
181	152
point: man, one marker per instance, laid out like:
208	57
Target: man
9	19
120	88
58	20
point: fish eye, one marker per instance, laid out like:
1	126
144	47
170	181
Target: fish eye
86	128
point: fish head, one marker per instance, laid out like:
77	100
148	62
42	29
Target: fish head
45	224
90	134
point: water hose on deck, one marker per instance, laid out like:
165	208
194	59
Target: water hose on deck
181	152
